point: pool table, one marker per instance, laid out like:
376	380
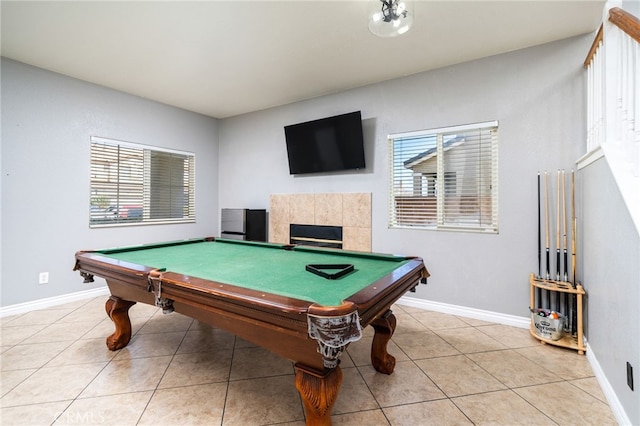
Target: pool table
267	294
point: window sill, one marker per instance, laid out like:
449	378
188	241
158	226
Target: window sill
445	228
141	223
590	157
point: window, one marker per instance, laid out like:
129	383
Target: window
138	184
445	178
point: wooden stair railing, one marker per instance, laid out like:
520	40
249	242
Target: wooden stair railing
594	46
623	20
626	22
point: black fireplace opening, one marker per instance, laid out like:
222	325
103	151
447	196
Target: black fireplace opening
316	235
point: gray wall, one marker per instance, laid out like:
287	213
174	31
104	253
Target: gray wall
536	94
47	120
611	271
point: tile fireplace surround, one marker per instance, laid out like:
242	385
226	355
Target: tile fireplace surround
352	211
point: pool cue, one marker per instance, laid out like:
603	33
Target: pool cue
546	293
564	229
558	227
565	268
546	221
574	230
558	241
574	262
539	248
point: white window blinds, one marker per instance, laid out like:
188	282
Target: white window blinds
139	184
445	178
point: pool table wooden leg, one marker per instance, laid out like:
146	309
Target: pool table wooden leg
384	327
319	392
118	311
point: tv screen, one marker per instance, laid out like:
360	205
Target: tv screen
325	145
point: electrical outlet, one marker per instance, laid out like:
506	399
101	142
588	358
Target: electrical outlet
44	278
629	375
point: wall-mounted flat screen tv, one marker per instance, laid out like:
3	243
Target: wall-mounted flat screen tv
326	145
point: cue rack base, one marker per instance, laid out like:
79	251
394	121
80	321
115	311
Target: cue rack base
569	340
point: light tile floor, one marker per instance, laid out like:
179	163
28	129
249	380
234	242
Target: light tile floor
56	369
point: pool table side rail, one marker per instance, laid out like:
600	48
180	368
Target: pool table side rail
350	253
376	298
94	263
135	274
147	246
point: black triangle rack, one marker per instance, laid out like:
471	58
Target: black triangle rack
340	268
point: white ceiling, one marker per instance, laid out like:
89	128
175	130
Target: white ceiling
224	58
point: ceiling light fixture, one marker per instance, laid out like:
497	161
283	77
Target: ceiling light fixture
390	18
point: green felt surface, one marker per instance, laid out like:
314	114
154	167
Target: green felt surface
264	267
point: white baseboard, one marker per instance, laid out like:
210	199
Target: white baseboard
522	322
22	308
479	314
614	403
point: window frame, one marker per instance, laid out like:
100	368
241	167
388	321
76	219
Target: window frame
436	185
140	175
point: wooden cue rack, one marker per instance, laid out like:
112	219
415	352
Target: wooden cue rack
568	340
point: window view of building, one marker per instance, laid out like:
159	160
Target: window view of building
132	183
445	178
